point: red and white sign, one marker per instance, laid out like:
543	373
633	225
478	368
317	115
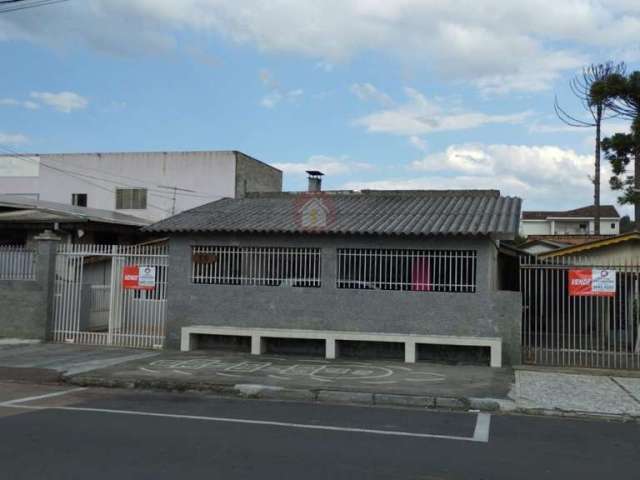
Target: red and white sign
138	277
592	282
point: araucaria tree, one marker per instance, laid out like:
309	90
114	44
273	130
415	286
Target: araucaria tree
623	149
591	89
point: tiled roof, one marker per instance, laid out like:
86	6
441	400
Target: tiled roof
569	239
606	211
40	210
421	212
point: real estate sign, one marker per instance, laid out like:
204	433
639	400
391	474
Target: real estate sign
592	282
138	277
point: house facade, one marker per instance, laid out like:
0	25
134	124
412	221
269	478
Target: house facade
579	221
416	262
149	185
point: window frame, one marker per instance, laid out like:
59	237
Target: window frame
75	197
256	266
127	198
407	270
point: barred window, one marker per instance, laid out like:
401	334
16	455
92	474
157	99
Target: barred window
407	270
131	198
269	266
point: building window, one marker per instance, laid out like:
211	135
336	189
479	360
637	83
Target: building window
268	266
131	198
407	270
613	226
79	199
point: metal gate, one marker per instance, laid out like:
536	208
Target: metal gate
92	303
566	328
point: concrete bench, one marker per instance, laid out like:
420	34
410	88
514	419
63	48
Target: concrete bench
258	336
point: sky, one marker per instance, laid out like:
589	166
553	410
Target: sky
389	94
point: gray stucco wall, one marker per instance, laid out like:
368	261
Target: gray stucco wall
252	175
25	305
487	312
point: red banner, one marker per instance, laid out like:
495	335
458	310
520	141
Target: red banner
592	282
130	276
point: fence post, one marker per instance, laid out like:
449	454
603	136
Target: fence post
46	247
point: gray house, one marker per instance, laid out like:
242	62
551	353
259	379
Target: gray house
418	268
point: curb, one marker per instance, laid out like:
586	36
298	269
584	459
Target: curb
266	392
255	391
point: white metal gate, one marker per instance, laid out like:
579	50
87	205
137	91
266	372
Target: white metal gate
571	329
91	304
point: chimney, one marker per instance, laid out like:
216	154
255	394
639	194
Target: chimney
315	180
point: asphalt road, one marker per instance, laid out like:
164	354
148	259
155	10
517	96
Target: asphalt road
53	432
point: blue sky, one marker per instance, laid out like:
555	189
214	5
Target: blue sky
378	94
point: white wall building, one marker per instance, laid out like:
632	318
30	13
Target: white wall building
149	185
580	221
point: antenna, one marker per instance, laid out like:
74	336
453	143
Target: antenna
175	189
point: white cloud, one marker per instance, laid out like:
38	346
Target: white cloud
326	164
418	142
366	92
13	138
499	45
12	102
273	98
276	94
419	116
64	102
545	176
326	67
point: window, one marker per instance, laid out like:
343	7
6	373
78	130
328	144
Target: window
407	270
268	266
582	226
131	198
613	226
79	199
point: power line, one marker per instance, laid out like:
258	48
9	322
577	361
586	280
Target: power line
26	158
137	180
175	192
196	193
17	5
78	174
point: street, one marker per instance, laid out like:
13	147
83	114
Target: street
62	432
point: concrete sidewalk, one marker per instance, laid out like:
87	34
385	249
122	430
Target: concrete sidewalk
422	385
304	378
599	394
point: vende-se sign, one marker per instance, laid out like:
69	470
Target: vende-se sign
138	277
592	282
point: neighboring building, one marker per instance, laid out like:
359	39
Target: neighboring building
404	262
150	185
616	250
22	219
579	221
536	246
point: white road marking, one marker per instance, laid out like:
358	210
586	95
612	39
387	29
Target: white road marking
481	432
482	436
12	403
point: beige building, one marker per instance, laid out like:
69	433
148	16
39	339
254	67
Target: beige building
616	250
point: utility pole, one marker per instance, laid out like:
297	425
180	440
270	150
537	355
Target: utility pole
175	189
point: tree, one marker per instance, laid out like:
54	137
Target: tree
591	88
623	149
